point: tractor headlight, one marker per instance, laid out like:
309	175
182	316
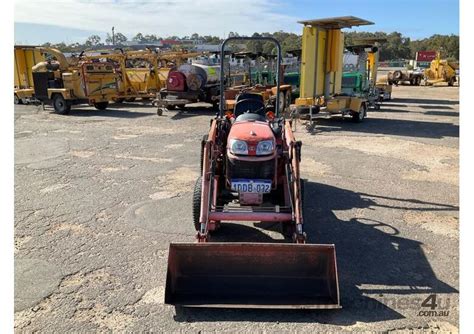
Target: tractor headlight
238	147
265	147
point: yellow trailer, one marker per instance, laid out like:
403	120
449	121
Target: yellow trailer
142	73
25	58
321	69
62	84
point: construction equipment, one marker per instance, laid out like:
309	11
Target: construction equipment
440	70
134	82
250	172
359	79
374	88
189	83
321	82
262	82
143	73
25	58
63	84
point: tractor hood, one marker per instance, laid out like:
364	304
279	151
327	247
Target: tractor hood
251	131
255	134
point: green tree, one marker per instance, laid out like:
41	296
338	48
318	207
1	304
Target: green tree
120	38
150	38
139	38
92	40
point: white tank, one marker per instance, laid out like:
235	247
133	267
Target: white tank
212	72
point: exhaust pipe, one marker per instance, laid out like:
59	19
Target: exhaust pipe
252	275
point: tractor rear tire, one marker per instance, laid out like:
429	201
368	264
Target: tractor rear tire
61	106
197	203
101	105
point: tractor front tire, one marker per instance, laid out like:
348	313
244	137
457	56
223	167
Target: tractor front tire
101	105
197	203
60	105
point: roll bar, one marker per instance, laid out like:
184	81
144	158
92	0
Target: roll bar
222	76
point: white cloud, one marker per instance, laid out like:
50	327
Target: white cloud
163	18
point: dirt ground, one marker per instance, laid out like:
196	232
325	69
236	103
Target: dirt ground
99	195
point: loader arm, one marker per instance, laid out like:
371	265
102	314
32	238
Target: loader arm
294	154
207	182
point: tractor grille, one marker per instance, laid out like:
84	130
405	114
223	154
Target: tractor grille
238	169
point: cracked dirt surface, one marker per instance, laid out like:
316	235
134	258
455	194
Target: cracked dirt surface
99	195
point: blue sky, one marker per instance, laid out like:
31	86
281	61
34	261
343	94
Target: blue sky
74	20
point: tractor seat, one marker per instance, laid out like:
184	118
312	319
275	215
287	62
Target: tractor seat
249	103
249	96
250	117
249	106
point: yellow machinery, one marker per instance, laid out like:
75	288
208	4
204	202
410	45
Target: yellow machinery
321	69
440	70
25	58
382	85
133	82
63	84
142	73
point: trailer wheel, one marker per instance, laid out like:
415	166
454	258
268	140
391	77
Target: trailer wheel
61	106
359	116
130	99
197	203
16	99
451	81
101	105
119	100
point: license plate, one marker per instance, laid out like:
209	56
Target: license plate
251	186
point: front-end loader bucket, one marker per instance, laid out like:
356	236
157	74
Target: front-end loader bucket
252	275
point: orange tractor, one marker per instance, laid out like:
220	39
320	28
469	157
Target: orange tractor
250	172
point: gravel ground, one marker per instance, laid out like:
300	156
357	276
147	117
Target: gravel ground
99	195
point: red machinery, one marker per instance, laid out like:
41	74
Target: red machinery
250	172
